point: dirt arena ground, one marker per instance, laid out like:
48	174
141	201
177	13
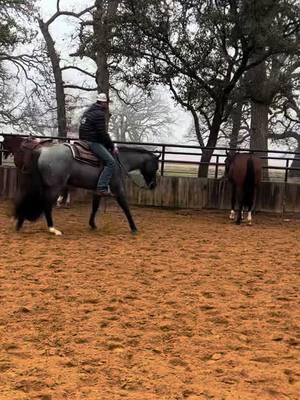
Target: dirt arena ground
193	307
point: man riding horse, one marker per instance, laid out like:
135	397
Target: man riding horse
93	129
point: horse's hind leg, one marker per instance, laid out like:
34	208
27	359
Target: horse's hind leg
233	195
64	198
52	229
251	207
48	215
121	199
240	209
239	215
95	207
249	217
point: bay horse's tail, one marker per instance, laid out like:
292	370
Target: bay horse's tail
249	183
30	201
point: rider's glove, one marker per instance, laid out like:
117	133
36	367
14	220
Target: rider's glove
115	150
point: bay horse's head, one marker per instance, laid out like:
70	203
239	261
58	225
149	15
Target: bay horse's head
229	159
11	144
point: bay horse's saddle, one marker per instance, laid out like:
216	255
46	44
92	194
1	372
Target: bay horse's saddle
33	144
79	148
81	152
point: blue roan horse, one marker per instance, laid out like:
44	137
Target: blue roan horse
53	167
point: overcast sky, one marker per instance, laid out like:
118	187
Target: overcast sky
61	30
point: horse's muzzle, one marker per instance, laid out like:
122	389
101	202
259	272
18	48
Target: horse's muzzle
152	185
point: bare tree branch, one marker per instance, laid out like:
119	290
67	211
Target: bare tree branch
87	89
79	69
68	13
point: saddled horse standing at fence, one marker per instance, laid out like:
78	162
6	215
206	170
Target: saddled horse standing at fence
244	171
48	169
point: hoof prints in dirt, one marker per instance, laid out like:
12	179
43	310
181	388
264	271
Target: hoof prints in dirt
191	308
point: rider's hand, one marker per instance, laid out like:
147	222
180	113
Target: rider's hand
115	150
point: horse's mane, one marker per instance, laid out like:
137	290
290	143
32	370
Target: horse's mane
140	149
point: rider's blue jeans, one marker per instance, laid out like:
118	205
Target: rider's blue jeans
109	164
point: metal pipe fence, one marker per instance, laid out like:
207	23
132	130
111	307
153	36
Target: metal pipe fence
186	159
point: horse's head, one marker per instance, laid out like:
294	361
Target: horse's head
149	170
10	145
7	146
228	161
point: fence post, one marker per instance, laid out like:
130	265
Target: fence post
217	166
162	160
286	170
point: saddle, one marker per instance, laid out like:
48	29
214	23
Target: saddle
33	144
82	153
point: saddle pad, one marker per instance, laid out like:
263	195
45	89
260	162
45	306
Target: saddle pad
81	152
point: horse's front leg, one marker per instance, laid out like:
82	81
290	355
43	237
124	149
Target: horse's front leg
95	207
19	223
48	215
233	196
64	198
68	199
122	201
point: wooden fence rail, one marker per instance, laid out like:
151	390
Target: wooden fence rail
185	192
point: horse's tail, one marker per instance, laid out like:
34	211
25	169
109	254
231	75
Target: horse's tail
31	200
249	183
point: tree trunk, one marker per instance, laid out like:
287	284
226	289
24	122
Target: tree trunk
103	23
296	162
236	125
59	84
123	130
211	143
261	98
259	131
197	126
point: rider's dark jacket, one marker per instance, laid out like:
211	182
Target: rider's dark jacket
93	126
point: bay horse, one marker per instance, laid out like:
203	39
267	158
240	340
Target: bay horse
53	167
11	145
244	171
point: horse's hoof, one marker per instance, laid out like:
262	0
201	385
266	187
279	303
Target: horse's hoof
55	231
18	225
92	224
134	231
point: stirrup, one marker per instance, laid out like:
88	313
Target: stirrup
103	193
